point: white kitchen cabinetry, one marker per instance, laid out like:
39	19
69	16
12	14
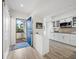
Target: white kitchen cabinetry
57	36
69	19
74	22
38	43
65	38
73	40
41	44
62	20
53	23
53	36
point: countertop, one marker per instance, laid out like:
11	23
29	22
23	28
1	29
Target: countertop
65	32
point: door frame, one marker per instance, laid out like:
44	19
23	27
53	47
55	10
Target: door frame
32	30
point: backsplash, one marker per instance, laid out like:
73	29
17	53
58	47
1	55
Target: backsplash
66	30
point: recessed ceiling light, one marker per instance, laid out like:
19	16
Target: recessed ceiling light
21	5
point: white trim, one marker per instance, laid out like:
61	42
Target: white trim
6	54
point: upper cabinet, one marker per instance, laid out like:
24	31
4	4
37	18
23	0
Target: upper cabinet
71	21
56	23
53	23
74	22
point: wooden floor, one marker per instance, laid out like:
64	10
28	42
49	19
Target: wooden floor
20	40
56	51
59	50
24	53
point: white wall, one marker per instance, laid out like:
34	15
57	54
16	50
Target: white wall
6	31
14	15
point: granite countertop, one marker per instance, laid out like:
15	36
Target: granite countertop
65	32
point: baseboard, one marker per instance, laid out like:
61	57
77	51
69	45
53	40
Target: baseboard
64	43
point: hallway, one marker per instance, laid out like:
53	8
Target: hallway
57	50
24	27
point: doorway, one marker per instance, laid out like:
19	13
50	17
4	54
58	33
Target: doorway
20	33
23	33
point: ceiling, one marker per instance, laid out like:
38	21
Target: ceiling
42	7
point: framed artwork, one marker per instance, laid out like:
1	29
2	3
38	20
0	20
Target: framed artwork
39	25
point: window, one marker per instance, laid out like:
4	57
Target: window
19	25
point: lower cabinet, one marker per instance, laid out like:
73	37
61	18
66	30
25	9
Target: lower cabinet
70	39
41	44
73	40
58	37
38	43
65	38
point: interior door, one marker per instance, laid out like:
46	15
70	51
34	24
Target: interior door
29	31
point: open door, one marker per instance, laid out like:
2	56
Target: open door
29	31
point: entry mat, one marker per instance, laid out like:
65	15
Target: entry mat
19	45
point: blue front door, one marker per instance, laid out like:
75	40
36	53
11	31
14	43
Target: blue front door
29	31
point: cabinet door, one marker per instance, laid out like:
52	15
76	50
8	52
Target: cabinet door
67	38
70	39
69	19
57	37
38	43
62	20
52	36
53	23
73	40
62	37
74	21
57	23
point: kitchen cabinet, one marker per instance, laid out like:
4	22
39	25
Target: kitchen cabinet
74	22
62	20
38	43
41	44
65	38
53	23
57	23
73	40
57	36
69	19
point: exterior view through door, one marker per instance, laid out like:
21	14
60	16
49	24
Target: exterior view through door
23	32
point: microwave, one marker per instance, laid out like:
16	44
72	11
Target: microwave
66	24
